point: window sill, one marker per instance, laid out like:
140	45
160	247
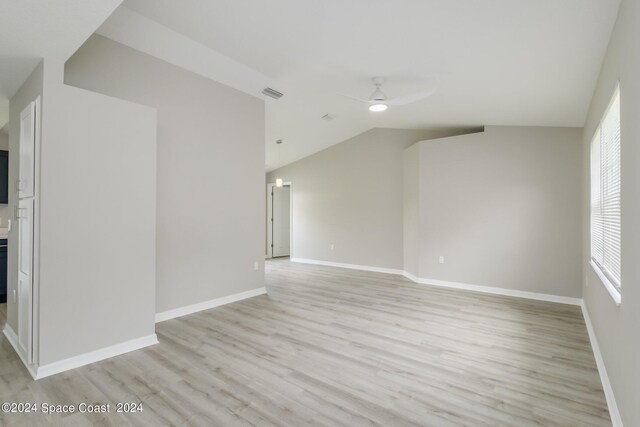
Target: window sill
613	291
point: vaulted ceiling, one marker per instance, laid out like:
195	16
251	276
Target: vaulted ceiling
492	62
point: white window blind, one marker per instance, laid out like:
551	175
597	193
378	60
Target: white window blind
605	193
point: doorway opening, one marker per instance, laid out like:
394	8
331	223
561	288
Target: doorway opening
279	220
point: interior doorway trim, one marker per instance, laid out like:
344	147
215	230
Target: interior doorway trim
269	250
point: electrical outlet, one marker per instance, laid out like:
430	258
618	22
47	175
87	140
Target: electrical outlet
256	266
441	259
332	246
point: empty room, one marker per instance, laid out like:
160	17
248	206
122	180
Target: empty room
320	213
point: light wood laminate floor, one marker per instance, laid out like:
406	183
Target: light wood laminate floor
336	347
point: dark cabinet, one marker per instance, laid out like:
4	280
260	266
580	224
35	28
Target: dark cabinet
4	199
3	270
4	177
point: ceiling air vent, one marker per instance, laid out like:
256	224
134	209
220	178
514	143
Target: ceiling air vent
272	93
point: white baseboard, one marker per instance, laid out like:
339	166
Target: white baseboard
38	372
614	413
496	291
95	356
13	340
350	266
446	284
410	276
194	308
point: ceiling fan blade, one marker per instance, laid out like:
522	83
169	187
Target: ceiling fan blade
353	98
410	98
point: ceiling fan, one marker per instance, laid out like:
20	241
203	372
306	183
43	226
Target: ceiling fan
378	101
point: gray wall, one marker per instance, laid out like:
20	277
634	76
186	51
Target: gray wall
210	159
503	208
29	91
97	227
411	209
618	328
97	217
350	195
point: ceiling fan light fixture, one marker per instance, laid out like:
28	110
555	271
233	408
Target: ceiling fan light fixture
376	108
378	96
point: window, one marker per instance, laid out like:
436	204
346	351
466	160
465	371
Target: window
605	198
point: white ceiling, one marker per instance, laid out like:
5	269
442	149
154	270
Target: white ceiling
495	62
35	29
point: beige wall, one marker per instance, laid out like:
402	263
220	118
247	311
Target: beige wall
503	208
618	328
350	195
210	158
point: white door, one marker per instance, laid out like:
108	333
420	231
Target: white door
24	215
25	183
281	221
